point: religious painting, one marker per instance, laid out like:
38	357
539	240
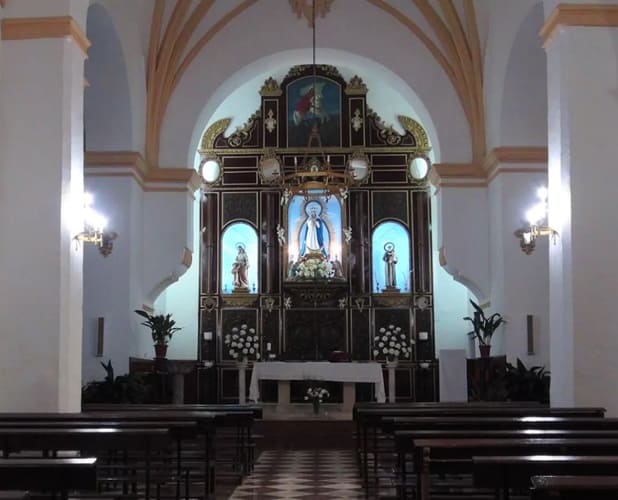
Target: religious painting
314	101
239	258
314	234
391	258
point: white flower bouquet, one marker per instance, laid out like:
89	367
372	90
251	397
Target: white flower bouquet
316	395
314	269
391	344
243	343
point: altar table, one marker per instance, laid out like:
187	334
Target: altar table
349	373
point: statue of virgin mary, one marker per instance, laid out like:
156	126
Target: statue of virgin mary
312	234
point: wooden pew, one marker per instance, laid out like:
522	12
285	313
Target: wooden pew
574	488
57	475
102	442
454	456
515	472
373	440
204	423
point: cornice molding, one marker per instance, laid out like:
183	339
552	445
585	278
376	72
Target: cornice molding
589	15
29	28
503	159
457	175
513	154
133	164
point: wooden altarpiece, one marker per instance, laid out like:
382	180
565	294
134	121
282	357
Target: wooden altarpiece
309	320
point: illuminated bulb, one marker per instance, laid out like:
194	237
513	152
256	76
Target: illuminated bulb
536	214
542	193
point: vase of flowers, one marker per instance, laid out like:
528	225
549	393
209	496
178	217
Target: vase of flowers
316	395
243	344
390	344
314	268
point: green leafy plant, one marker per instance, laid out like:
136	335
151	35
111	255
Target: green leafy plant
122	389
161	326
527	384
483	327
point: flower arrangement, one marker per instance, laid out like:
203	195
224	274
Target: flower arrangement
391	343
314	268
243	343
316	395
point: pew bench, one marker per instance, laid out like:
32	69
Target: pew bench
58	476
574	487
503	473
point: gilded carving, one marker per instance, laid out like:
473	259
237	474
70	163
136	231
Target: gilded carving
243	133
416	129
386	132
357	120
270	121
325	69
356	86
270	88
214	131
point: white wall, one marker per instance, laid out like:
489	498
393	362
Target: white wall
181	299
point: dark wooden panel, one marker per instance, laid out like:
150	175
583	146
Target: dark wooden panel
421	239
360	257
271	251
390	205
389	176
210	237
424	323
246	162
240	178
378	160
314	334
426	382
239	206
356	114
360	333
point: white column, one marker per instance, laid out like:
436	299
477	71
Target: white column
583	175
41	167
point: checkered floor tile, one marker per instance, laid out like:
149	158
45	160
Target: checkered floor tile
314	474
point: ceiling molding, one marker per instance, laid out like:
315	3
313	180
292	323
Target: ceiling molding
29	28
588	15
457	175
132	164
513	154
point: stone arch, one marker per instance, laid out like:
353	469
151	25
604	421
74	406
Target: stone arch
523	115
107	100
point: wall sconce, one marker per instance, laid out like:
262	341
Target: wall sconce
537	224
94	229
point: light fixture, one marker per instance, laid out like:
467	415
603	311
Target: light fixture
315	176
94	228
210	170
537	224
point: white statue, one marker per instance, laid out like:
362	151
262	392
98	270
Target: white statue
312	233
347	234
390	266
280	235
240	268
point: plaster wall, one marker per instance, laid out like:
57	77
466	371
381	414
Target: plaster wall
181	299
112	288
463	234
515	81
43	8
519	282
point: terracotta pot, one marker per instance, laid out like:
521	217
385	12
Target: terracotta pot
160	350
484	349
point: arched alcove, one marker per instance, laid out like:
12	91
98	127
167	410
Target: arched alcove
523	116
107	101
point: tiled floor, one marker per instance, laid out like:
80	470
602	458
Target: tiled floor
307	474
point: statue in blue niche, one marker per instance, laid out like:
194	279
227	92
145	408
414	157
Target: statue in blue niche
312	232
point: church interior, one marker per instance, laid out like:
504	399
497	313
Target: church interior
322	249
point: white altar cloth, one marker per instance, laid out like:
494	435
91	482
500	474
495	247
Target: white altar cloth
317	370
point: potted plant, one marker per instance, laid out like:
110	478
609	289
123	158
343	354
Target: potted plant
162	328
483	327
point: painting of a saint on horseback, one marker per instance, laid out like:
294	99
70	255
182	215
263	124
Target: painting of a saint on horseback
312	103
